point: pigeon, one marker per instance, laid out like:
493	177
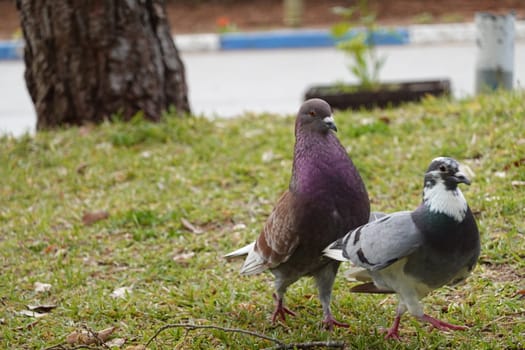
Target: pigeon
326	198
411	253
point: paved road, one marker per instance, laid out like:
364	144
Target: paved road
225	84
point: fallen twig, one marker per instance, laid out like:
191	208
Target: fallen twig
224	329
309	345
280	344
98	341
97	335
64	346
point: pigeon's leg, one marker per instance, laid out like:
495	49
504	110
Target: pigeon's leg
393	332
281	285
280	309
441	325
325	278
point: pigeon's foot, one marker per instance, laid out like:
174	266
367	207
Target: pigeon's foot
280	309
329	322
393	332
442	325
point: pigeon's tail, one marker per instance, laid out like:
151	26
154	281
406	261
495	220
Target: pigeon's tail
363	275
356	273
253	264
241	251
335	251
370	287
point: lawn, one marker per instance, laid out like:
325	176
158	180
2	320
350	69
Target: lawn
174	197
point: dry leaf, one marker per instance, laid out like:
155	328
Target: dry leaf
521	293
385	119
85	130
42	308
29	313
42	287
268	156
135	347
60	253
94	216
121	292
192	228
52	248
517	183
183	257
85	337
115	343
239	226
518	163
105	333
120	176
81	168
27	326
247	306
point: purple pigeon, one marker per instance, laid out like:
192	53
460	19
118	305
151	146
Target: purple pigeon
326	198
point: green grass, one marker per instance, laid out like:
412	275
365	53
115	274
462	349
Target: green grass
219	175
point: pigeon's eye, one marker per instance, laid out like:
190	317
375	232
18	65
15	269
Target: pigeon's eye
442	168
312	113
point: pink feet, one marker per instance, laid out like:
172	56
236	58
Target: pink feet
393	332
280	310
442	325
329	322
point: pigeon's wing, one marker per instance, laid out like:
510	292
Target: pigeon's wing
278	240
380	243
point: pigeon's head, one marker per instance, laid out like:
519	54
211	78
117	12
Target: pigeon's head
441	193
315	114
446	171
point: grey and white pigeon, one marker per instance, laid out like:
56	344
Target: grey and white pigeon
412	253
326	198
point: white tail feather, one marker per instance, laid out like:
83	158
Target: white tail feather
241	251
334	253
253	264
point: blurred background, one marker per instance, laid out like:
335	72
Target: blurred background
226	83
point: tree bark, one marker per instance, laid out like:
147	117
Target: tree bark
87	60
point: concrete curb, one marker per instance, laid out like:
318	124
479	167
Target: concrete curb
453	32
304	38
279	39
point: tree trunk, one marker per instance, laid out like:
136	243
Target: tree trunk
89	59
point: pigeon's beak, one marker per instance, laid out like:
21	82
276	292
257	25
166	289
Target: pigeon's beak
330	123
460	177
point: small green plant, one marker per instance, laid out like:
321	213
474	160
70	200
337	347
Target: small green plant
360	46
423	18
452	18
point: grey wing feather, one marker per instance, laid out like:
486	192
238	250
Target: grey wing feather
380	243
